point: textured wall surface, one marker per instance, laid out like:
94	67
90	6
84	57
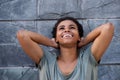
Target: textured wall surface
40	16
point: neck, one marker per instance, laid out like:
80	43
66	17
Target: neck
68	54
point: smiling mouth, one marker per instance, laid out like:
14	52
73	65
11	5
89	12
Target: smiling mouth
67	36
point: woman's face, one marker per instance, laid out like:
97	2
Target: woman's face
67	33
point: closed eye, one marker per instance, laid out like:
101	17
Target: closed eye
61	27
72	27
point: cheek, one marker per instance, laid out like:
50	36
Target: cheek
58	33
77	36
76	33
57	36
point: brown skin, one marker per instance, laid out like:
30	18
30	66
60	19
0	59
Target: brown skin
101	38
30	43
68	46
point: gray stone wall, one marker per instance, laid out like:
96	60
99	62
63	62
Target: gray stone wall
40	16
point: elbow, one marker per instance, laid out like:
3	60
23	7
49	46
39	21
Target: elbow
22	34
109	27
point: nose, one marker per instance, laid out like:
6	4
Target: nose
67	30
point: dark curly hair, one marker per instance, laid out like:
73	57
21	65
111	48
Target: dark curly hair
80	28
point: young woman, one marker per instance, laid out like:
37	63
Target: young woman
72	62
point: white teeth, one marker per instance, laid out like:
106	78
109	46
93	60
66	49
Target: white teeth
67	36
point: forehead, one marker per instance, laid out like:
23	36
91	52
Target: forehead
67	22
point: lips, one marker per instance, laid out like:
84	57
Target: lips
66	35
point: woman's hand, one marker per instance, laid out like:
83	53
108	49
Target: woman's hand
55	45
82	42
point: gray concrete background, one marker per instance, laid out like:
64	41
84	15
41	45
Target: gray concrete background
40	16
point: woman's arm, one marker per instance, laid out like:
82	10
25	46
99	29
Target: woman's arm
101	38
30	43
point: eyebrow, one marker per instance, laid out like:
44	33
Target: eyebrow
61	26
72	25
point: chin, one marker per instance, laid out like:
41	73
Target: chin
69	43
